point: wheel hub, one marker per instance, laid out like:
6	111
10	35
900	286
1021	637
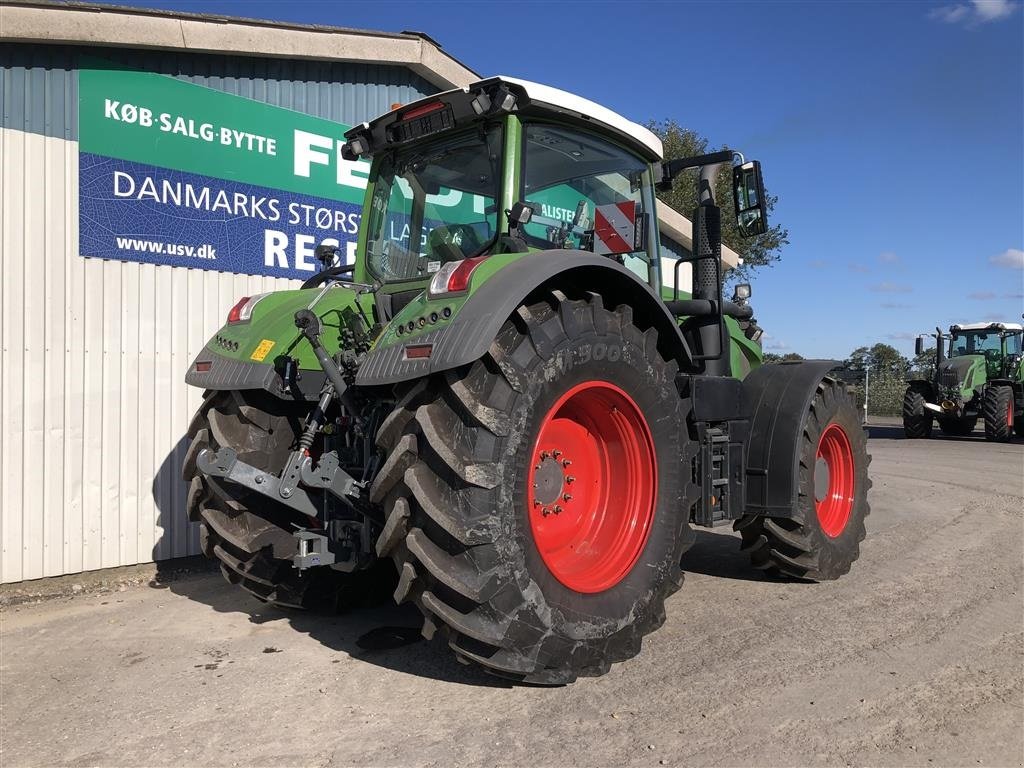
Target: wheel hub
592	486
834	480
821	479
548	481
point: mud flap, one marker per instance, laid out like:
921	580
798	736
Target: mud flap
776	397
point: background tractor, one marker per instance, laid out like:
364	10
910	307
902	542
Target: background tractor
980	376
504	409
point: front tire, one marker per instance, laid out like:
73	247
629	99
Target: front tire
501	479
997	407
822	538
917	420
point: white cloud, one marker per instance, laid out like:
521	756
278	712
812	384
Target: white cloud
990	10
901	336
888	257
887	287
974	12
895	305
1012	258
981	295
770	342
861	268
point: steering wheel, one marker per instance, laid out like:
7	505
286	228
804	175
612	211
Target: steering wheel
452	242
331	273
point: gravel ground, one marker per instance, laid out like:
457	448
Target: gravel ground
915	658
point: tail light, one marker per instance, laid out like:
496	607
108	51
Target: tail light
454	276
242	311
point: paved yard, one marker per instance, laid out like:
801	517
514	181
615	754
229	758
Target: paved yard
915	658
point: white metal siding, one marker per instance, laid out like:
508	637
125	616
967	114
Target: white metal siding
93	405
93	402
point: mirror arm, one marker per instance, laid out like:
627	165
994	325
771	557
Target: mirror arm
673	168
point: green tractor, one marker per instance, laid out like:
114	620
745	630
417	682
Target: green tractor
503	409
980	377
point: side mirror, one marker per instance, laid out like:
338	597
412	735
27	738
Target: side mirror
741	294
520	214
579	221
326	255
748	197
919	345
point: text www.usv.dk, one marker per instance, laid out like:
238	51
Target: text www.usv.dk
167	249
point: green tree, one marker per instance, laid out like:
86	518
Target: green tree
761	251
880	359
923	365
774	357
886	360
859	359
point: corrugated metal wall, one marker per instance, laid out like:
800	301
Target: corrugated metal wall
93	406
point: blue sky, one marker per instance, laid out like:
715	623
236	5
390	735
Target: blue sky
892	133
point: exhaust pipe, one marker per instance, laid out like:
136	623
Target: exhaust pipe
933	407
940	353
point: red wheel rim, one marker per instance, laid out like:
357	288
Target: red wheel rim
592	486
834	502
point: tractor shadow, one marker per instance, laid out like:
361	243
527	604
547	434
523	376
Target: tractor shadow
378	632
718	555
895	432
384	634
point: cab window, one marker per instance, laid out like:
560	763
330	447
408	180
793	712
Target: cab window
567	175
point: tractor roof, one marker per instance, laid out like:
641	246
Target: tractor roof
561	101
987	327
463	107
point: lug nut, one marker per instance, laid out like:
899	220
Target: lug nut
566	462
544	454
570	479
566	497
556	453
558	509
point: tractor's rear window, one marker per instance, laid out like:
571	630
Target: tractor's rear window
432	203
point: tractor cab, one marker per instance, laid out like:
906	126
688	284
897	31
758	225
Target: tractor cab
504	166
997	344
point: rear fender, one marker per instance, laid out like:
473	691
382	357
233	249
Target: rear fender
475	326
776	396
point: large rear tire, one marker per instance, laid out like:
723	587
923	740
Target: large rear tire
538	500
917	420
997	408
822	540
249	534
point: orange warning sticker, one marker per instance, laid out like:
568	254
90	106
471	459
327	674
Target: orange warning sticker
262	350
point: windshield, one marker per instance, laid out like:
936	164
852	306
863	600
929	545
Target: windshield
974	343
433	203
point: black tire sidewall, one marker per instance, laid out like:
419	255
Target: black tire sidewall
918	421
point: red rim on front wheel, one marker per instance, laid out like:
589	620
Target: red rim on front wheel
834	477
592	486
